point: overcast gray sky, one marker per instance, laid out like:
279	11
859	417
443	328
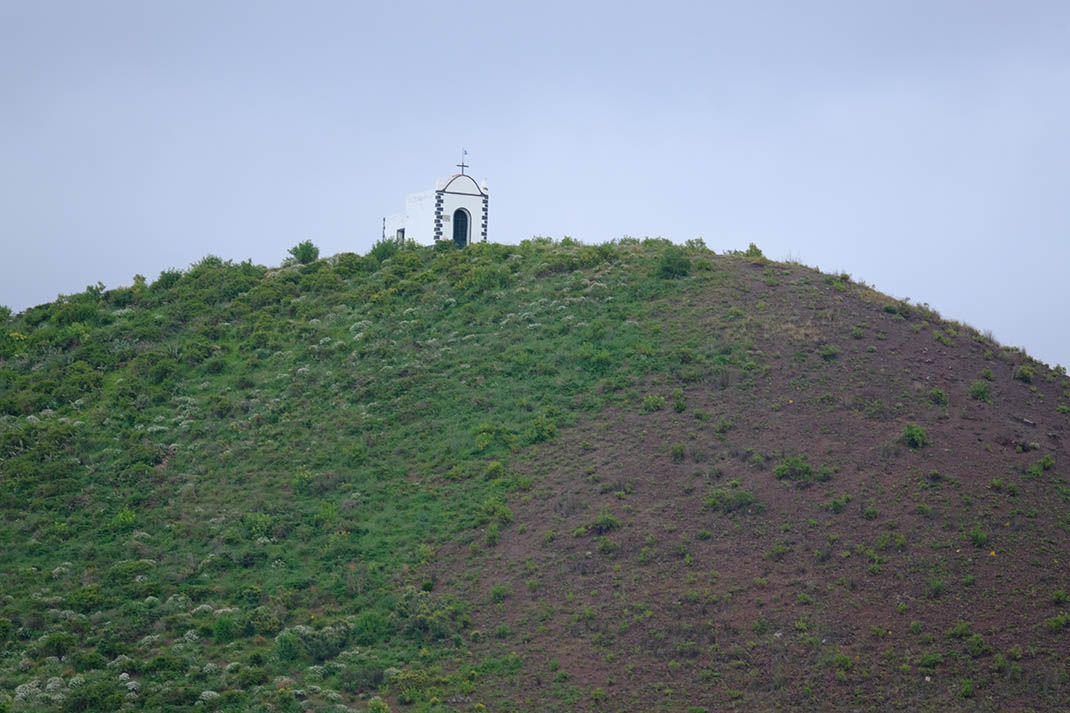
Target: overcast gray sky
920	146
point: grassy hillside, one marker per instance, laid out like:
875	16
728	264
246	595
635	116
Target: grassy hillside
548	477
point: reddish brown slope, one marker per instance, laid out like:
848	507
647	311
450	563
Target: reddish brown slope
935	586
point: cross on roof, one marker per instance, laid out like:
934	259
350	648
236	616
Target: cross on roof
462	165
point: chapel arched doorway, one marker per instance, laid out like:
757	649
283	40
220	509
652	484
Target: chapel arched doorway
461	222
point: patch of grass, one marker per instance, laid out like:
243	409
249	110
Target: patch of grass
829	352
979	538
1057	623
731	498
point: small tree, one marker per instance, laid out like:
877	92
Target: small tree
305	252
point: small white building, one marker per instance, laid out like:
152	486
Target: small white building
455	209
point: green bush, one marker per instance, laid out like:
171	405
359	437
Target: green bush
304	252
838	505
605	522
384	250
931	660
914	436
976	646
225	629
978	537
978	390
378	705
938	397
652	403
678	451
1025	373
288	646
674	263
370	627
730	498
794	468
358	679
1058	622
103	696
828	352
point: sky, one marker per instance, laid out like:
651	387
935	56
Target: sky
920	146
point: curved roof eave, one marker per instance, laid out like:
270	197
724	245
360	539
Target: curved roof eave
446	188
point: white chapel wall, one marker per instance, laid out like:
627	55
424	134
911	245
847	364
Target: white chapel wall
418	218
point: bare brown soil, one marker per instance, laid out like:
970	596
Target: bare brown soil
787	604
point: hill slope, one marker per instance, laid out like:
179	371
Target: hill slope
535	477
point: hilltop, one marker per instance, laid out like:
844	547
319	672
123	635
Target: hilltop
552	476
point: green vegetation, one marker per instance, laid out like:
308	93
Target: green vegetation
795	468
305	252
914	436
978	391
349	482
730	498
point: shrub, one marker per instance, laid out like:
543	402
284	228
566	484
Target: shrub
652	403
978	391
371	627
730	498
931	660
678	450
305	252
978	537
794	468
674	263
384	250
838	505
225	629
102	695
604	523
288	646
1058	622
378	705
829	352
541	429
960	630
938	397
1025	373
914	436
976	646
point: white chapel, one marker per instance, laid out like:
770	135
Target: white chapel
455	209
